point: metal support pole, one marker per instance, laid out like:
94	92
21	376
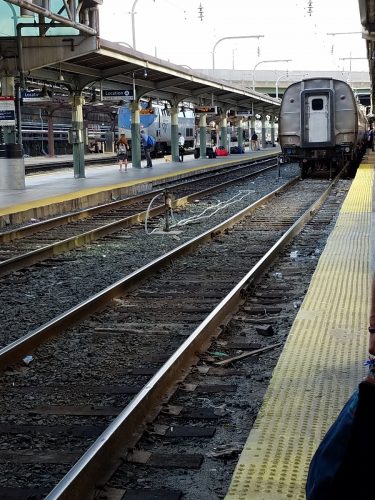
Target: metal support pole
174	134
264	132
278	167
133	22
203	135
77	136
136	135
240	133
168	206
223	131
51	141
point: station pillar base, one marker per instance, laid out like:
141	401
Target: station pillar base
12	167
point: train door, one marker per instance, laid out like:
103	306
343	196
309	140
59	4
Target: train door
317	122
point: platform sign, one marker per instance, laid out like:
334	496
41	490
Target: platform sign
117	95
7	111
245	114
203	110
31	95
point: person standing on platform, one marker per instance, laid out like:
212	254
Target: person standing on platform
181	144
254	142
122	152
146	148
370	139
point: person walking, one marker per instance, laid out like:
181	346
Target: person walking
122	152
181	144
146	148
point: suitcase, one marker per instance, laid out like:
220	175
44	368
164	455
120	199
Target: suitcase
221	151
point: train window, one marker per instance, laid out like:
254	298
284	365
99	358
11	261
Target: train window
317	104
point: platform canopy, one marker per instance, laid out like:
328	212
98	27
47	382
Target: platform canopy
81	59
367	14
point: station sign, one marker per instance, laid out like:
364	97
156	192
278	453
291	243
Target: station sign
244	113
32	95
203	110
7	111
116	95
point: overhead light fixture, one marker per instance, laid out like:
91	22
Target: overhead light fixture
45	92
61	76
145	73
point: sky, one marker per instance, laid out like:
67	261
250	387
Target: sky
172	30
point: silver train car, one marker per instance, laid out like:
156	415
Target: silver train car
322	126
156	121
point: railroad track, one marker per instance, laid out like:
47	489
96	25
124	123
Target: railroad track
25	246
153	322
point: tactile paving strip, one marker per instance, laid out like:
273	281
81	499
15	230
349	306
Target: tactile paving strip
321	364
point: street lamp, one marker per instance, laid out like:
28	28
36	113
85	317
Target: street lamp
230	38
350	64
284	76
343	33
133	21
269	61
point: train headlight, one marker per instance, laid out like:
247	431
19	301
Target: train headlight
347	149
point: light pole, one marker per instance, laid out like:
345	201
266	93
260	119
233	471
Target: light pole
133	21
343	33
350	64
284	76
230	38
269	61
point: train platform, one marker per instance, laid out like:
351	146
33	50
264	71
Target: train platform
54	192
322	361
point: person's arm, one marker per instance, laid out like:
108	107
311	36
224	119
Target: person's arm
372	318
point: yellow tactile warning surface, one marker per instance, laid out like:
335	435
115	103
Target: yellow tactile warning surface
321	364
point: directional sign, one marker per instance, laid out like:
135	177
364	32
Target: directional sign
202	110
7	111
116	95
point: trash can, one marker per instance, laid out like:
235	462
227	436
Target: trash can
12	167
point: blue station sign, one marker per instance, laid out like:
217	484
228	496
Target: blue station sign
116	95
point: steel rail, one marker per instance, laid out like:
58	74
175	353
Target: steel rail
31	229
26	344
77	241
100	460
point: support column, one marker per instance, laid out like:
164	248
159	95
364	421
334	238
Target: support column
8	90
263	132
249	132
12	166
224	131
203	135
174	134
77	136
51	140
252	126
272	123
136	135
240	132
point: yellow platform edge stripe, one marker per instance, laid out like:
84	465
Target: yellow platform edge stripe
321	364
22	207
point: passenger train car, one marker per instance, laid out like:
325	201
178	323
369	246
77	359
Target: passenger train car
322	126
156	121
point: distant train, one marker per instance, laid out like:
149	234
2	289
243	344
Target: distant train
156	121
322	126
